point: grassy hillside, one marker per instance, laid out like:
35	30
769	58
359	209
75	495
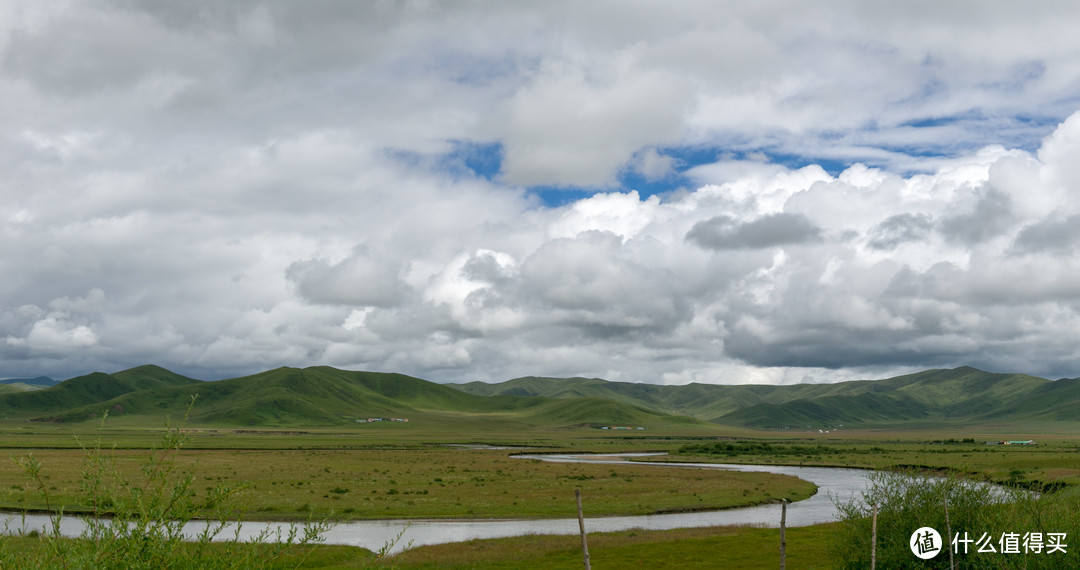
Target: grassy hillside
323	395
13	387
94	388
311	396
703	401
957	395
149	376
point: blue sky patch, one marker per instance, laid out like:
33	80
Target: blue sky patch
483	159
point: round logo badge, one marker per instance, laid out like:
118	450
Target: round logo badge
926	543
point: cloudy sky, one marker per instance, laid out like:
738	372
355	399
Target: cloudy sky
723	192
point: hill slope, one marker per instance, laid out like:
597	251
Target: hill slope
95	387
310	396
958	395
325	396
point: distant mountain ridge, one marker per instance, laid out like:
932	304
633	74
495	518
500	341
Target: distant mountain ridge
963	394
42	381
321	395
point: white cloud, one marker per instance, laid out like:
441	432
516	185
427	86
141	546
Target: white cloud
223	188
360	279
50	337
575	126
621	214
653	165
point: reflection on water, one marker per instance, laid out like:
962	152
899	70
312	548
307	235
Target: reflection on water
833	483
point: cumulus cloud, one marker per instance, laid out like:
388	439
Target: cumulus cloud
577	126
991	216
1060	236
590	281
901	228
653	165
724	232
827	192
360	279
52	336
63	326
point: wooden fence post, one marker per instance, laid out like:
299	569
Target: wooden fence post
581	525
783	540
873	540
948	535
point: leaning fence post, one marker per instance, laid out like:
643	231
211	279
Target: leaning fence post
873	540
581	525
948	534
783	523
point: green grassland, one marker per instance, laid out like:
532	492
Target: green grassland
1053	463
290	484
711	547
397	474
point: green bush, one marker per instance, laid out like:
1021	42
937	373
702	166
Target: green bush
907	502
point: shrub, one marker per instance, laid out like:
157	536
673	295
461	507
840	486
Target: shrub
907	501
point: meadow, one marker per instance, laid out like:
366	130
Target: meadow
430	483
1054	462
417	470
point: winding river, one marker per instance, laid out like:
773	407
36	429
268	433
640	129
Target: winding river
833	483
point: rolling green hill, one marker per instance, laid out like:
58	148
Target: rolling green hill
95	387
323	395
311	396
13	387
19	387
960	395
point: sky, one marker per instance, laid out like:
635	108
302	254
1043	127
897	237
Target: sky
720	192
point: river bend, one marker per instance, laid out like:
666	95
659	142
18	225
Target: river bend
832	483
